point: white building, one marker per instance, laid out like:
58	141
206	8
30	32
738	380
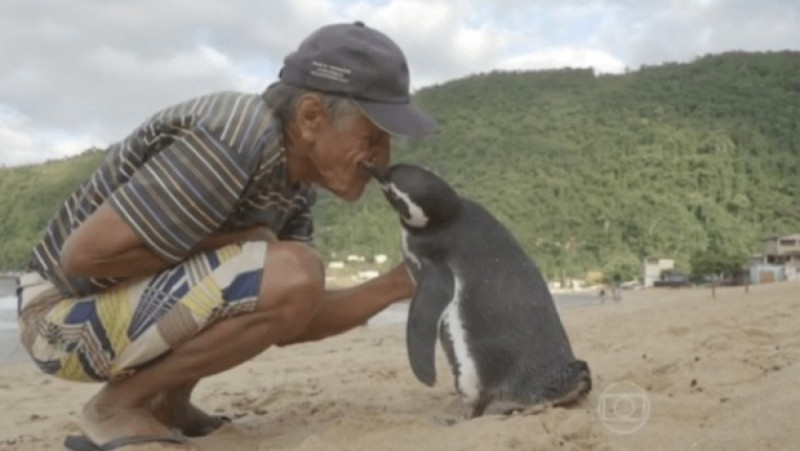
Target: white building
654	267
780	260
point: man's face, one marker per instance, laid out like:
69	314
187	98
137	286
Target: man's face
339	151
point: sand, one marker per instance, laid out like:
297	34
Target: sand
713	374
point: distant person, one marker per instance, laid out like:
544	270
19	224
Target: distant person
602	295
616	290
188	251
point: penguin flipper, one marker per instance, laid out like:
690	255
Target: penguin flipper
433	294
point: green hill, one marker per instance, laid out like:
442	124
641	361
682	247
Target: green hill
30	196
588	172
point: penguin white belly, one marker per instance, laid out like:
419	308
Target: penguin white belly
467	375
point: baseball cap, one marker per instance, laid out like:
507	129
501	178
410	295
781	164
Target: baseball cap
363	64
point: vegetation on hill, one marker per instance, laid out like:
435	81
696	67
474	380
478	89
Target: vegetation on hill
30	197
599	172
588	172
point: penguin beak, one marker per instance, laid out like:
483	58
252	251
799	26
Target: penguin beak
376	172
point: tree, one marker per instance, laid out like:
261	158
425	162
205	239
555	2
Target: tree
716	264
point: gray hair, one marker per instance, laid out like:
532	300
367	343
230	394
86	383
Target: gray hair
283	98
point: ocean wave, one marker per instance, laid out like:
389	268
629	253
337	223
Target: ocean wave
8	313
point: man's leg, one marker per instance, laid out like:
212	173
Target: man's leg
292	286
340	310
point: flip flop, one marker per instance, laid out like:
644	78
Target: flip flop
82	443
200	431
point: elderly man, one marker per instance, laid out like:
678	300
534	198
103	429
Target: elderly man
187	252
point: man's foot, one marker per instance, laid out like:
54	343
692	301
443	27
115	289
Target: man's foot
102	421
187	417
197	423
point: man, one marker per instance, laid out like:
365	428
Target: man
186	253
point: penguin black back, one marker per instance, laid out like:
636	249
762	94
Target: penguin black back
481	296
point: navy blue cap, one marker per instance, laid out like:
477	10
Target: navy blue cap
363	64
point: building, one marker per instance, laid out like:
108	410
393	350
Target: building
780	260
654	267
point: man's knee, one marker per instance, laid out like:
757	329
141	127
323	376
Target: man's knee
293	283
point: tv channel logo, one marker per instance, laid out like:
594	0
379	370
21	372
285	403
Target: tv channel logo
623	407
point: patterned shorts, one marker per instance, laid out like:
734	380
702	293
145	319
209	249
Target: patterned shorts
107	336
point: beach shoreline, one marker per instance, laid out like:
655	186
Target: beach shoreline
11	349
708	373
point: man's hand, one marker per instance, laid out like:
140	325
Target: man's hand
347	308
400	278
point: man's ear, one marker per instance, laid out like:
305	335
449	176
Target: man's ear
309	115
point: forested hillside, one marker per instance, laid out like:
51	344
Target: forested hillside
588	172
594	172
30	196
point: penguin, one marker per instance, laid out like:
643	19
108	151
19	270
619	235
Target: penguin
482	297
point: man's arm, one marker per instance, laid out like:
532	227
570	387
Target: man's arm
106	246
344	309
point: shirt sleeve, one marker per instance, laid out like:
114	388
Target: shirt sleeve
300	226
182	193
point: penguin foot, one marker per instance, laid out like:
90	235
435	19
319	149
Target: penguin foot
530	410
576	395
466	412
445	420
506	409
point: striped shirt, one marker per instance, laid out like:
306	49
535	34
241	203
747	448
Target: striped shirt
213	163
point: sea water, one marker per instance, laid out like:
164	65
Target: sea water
398	313
10	347
8	312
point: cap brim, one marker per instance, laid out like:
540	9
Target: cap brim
399	119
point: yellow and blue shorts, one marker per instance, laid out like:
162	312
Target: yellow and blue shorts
108	335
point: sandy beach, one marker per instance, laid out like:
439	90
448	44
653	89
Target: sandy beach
673	370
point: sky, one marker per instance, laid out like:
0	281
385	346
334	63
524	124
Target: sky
82	73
